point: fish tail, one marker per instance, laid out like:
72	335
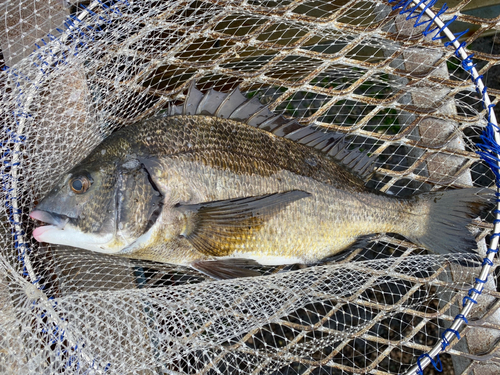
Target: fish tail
443	229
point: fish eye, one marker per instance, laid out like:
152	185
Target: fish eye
79	184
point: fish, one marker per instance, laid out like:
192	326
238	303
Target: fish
221	183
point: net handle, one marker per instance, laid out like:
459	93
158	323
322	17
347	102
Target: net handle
490	153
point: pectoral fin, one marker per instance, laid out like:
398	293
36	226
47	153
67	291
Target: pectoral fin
226	268
217	228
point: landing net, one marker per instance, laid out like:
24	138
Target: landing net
74	72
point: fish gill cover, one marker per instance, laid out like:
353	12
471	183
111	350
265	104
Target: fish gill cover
74	73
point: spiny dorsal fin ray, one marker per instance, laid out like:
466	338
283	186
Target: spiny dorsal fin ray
192	101
251	112
281	126
175	110
210	102
300	134
230	103
260	116
246	110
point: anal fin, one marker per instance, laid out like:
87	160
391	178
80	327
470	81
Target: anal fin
222	269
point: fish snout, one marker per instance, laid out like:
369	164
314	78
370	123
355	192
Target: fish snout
51	218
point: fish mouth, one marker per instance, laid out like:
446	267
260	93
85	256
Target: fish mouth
51	218
60	231
55	221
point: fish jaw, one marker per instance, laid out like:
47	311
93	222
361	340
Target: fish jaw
56	220
61	232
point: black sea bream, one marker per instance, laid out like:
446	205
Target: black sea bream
221	182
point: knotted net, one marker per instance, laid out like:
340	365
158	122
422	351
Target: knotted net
74	72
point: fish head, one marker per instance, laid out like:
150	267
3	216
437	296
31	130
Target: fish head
102	207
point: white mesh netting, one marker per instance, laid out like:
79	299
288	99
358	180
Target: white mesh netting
78	71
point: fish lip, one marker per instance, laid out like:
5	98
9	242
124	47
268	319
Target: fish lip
57	220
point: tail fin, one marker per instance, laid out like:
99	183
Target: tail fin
450	212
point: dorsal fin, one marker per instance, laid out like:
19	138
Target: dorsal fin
192	101
252	112
247	109
230	104
210	102
260	116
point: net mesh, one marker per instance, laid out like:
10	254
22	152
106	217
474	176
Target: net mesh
77	73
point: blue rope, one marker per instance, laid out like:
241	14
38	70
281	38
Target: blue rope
464	301
492	251
457	51
419	16
467	63
488	262
404	5
437	363
445	340
481	281
471	290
